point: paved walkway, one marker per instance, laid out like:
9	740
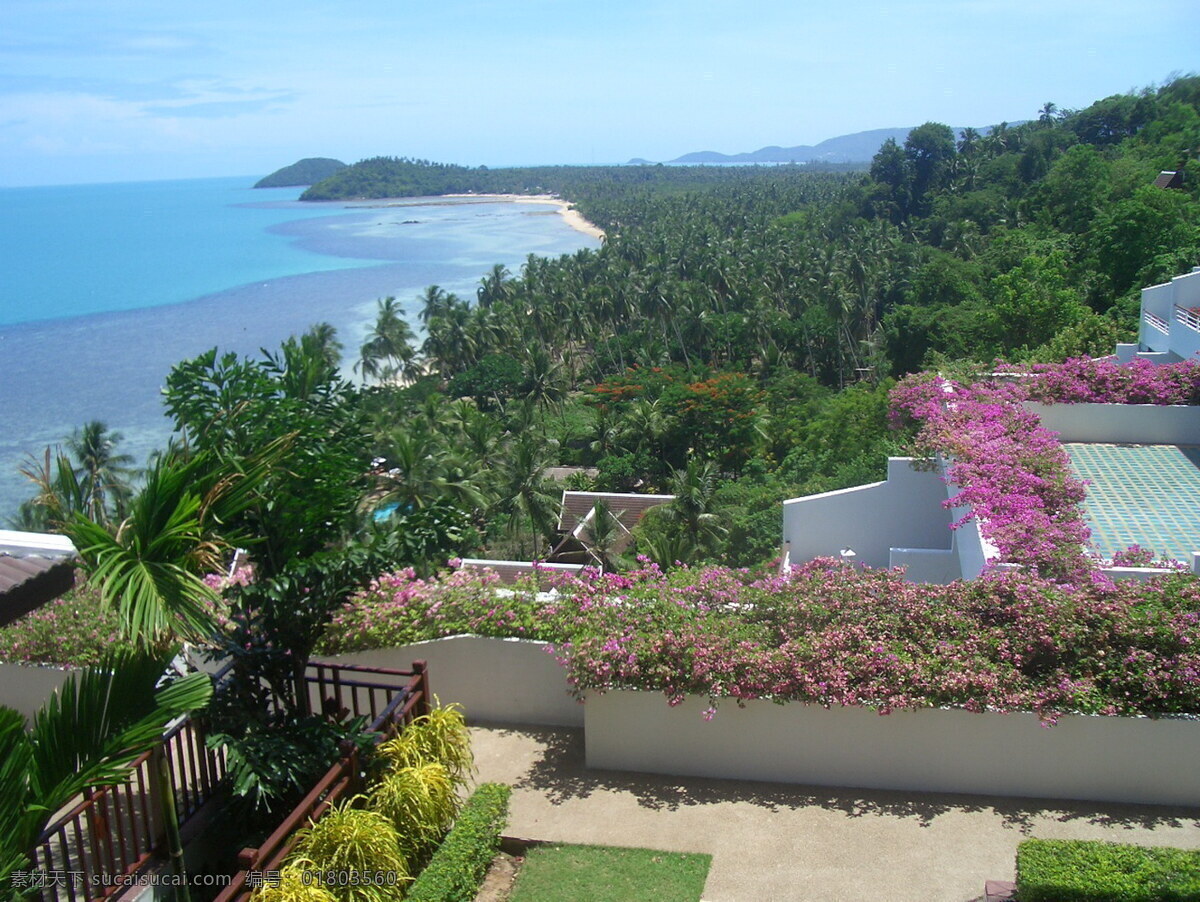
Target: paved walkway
777	843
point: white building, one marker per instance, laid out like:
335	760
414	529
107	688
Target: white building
1170	327
1143	466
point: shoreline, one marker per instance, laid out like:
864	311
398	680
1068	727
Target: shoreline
570	215
46	398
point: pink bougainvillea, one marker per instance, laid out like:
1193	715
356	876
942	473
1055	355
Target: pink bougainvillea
827	633
1011	474
1105	381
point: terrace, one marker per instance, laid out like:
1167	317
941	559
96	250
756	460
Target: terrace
947	519
780	841
115	832
1143	495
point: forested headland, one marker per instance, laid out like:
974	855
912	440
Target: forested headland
734	339
308	171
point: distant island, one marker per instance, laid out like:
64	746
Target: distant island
308	171
859	147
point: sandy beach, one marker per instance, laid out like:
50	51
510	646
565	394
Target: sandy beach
570	215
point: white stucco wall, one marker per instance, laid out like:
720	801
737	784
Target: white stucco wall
1182	340
495	680
26	687
1143	424
972	551
905	511
927	565
1093	758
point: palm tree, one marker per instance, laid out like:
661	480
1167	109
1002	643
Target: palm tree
666	548
693	488
530	498
544	384
422	471
604	535
434	303
643	426
496	286
102	473
82	738
323	337
151	570
387	350
59	496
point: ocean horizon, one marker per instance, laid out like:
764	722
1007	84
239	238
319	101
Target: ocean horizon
109	286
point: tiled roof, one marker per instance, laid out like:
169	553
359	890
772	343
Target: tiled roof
34	568
28	582
1169	179
511	571
628	508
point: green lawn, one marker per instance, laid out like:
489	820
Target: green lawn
561	873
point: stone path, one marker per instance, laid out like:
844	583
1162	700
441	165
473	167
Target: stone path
778	843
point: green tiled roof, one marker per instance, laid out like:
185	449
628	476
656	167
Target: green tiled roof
1148	495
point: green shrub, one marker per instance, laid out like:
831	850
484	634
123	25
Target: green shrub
354	853
420	802
293	886
440	736
1079	871
457	868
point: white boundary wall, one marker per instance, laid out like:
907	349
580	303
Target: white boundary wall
927	565
1138	424
26	687
495	680
903	512
1111	759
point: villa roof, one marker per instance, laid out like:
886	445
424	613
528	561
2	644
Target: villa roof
511	571
1169	179
34	569
627	507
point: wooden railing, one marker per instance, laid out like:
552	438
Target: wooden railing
114	831
93	849
391	699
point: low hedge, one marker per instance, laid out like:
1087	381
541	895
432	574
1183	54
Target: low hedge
457	868
1051	870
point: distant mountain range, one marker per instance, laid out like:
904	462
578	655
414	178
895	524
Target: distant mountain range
857	148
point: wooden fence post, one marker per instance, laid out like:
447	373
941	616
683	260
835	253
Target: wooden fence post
426	703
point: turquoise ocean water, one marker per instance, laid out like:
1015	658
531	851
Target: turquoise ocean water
105	287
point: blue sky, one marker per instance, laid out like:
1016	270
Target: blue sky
117	90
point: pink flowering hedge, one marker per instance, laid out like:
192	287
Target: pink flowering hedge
1010	472
829	634
73	630
1083	380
